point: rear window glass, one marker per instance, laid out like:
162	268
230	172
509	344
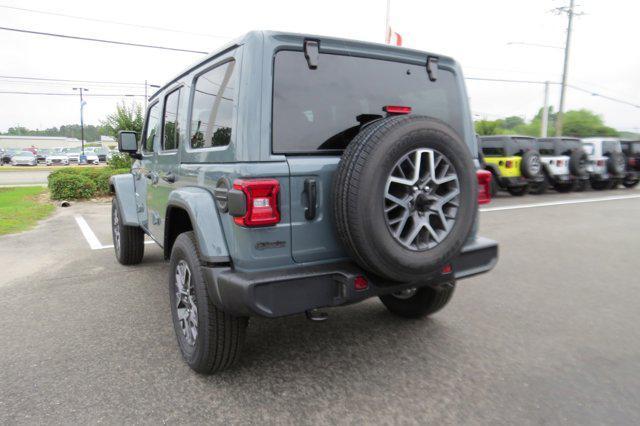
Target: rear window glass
213	107
565	146
322	109
609	146
493	152
588	148
524	145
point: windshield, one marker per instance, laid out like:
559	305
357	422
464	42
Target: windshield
25	154
322	109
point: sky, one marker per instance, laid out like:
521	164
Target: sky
485	37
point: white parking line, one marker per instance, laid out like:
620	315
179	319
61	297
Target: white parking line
560	203
90	236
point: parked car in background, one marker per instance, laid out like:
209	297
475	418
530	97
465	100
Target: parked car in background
57	159
24	158
564	163
631	149
8	154
41	156
74	156
606	164
31	149
514	163
101	153
347	171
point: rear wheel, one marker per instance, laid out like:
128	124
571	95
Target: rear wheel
580	185
417	303
128	241
539	188
564	187
493	187
518	191
599	185
210	340
627	183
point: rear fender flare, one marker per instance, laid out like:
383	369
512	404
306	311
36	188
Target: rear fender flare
495	170
203	214
124	189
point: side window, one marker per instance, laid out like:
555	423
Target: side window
213	107
171	125
151	128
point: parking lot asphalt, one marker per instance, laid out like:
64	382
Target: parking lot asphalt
550	336
23	177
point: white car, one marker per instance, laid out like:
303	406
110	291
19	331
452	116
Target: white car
74	157
57	159
24	158
606	164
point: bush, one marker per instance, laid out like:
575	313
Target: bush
120	161
70	183
70	186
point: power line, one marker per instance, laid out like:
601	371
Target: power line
98	40
70	80
68	94
603	96
105	21
506	80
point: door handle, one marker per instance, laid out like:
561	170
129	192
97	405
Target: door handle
310	188
169	177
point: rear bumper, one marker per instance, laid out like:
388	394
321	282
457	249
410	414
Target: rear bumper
513	182
295	290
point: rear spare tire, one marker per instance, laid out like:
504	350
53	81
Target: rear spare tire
578	163
405	197
616	163
531	165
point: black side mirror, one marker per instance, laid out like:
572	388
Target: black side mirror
128	143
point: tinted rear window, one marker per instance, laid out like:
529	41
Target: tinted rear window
323	109
525	144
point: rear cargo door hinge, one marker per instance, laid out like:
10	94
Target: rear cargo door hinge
432	67
312	53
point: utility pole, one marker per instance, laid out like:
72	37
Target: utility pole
545	112
81	89
570	13
387	27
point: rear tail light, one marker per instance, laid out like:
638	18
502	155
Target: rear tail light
397	109
261	202
559	163
484	186
600	163
447	269
509	164
632	162
360	283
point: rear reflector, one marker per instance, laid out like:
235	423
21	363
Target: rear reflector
360	283
447	269
484	186
396	109
262	202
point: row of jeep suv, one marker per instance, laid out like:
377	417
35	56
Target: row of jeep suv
522	164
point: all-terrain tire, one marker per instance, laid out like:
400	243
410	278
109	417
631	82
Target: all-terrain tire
220	336
494	186
630	183
600	185
426	301
539	188
518	191
578	160
531	165
128	241
616	163
580	185
359	191
564	187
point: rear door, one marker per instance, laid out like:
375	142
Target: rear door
317	111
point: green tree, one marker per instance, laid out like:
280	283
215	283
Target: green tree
489	127
512	122
124	118
584	123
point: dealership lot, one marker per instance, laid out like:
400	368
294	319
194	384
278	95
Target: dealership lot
550	336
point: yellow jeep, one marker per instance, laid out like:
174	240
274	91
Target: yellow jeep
514	163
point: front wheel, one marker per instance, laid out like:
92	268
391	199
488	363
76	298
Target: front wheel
210	339
418	303
630	183
128	241
599	185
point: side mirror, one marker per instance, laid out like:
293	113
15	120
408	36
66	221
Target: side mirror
128	142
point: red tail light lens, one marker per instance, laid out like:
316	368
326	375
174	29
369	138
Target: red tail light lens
600	162
559	163
632	162
509	164
397	109
262	202
360	283
484	186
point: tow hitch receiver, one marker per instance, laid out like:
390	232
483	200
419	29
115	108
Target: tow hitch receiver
316	315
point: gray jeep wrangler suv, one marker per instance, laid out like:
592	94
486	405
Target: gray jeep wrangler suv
286	173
